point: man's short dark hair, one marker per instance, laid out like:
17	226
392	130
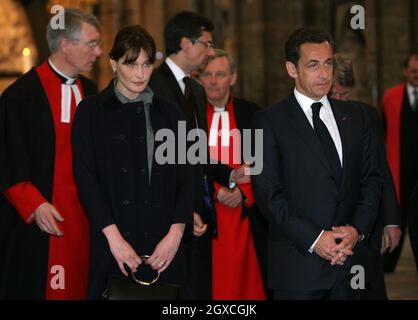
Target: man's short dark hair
184	24
408	58
301	36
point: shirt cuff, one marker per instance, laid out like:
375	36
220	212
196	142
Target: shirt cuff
317	239
25	198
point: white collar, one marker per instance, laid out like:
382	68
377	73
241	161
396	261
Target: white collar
69	79
175	69
411	88
217	108
306	102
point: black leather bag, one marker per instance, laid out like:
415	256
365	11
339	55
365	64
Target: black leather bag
131	288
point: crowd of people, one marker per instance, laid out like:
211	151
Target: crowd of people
88	209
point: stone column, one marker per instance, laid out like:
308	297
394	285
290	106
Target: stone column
110	11
282	18
174	6
132	12
154	21
247	33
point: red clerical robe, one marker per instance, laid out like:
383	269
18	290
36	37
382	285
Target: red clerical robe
235	270
68	259
392	110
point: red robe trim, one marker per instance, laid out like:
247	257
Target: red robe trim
392	110
25	198
235	270
68	261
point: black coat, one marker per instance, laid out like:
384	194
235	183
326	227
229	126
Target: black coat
369	254
297	193
27	153
111	171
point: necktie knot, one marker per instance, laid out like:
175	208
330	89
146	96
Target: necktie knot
316	107
186	81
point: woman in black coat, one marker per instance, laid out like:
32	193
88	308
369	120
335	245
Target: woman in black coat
137	204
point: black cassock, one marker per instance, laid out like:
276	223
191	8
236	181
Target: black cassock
25	115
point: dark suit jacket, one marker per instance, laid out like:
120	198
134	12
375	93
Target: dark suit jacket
164	84
388	213
111	170
369	254
298	194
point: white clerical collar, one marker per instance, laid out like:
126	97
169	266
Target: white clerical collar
217	108
410	90
306	102
410	87
69	80
177	71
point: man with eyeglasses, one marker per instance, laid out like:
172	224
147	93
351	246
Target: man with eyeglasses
44	232
188	42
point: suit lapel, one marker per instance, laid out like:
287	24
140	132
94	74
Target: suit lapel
305	131
199	99
173	86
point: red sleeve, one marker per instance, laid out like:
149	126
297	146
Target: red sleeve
25	197
247	191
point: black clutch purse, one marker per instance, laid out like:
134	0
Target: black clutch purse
132	288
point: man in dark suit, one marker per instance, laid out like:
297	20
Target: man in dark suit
388	219
188	42
320	185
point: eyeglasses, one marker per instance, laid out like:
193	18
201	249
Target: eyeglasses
91	44
218	75
207	44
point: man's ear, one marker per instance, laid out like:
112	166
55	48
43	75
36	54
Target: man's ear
185	43
234	78
64	44
291	69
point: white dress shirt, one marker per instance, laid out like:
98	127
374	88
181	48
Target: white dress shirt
178	73
410	89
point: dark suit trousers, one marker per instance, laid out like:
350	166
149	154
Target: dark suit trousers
340	291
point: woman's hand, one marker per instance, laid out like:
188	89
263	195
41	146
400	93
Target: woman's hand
121	250
166	249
